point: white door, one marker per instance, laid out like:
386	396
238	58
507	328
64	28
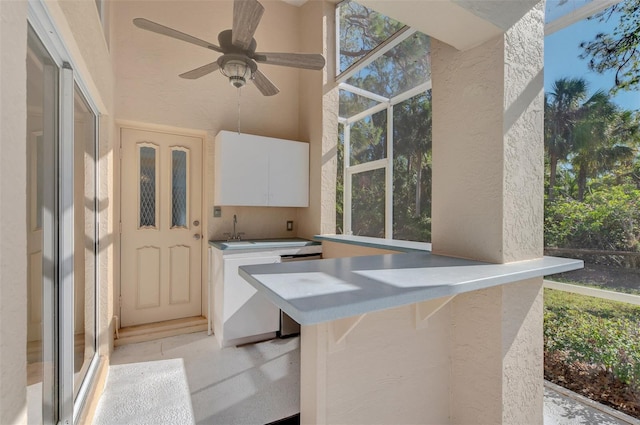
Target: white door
161	212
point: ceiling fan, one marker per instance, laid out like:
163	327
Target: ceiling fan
239	60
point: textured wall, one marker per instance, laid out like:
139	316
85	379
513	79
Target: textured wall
13	213
147	65
488	173
318	118
523	137
149	91
522	353
387	370
468	150
488	205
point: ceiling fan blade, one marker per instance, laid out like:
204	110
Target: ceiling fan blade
148	25
295	60
201	71
263	84
246	17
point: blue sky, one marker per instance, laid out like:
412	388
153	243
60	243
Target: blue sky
561	59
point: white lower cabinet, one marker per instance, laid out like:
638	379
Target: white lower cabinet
241	314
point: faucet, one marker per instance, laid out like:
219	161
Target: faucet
234	236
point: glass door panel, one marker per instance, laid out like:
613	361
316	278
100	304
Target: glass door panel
84	181
42	141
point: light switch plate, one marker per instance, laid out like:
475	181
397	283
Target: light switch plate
217	212
289	225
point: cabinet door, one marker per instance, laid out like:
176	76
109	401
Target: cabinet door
246	311
288	174
241	170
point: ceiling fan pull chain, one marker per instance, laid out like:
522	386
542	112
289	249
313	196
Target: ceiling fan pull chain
238	109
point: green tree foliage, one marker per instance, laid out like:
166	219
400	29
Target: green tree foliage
412	145
591	145
619	50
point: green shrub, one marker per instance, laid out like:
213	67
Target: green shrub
594	331
607	219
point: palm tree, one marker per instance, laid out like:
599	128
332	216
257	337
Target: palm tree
604	139
562	112
591	147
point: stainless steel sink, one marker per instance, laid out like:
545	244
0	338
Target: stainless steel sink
261	244
230	244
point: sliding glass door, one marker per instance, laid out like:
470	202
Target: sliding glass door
62	238
42	242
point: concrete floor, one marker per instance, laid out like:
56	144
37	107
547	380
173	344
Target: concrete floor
194	381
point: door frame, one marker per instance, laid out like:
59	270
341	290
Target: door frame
117	186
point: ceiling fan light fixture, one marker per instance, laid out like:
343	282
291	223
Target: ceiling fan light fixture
237	69
237	72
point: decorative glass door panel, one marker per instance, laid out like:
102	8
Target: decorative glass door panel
148	193
179	187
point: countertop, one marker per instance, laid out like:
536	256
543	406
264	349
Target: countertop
256	244
319	291
390	244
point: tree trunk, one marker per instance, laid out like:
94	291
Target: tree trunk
582	181
553	163
418	188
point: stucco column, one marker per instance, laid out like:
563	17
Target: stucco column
319	118
13	204
488	205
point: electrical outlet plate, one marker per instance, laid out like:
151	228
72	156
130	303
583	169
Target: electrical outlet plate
217	212
289	225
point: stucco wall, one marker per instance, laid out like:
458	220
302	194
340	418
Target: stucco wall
319	118
390	369
13	213
149	91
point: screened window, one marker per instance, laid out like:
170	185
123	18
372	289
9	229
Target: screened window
384	176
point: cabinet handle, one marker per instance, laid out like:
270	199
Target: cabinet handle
197	236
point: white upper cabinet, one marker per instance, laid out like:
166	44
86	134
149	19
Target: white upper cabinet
260	171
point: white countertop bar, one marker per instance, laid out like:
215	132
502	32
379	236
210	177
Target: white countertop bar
319	291
390	244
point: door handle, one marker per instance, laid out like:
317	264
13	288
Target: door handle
197	236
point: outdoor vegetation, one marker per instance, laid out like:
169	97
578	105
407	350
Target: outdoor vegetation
592	346
592	211
592	186
402	68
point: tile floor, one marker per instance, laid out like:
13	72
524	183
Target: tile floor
252	384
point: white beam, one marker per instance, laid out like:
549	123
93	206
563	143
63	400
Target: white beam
391	42
577	15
